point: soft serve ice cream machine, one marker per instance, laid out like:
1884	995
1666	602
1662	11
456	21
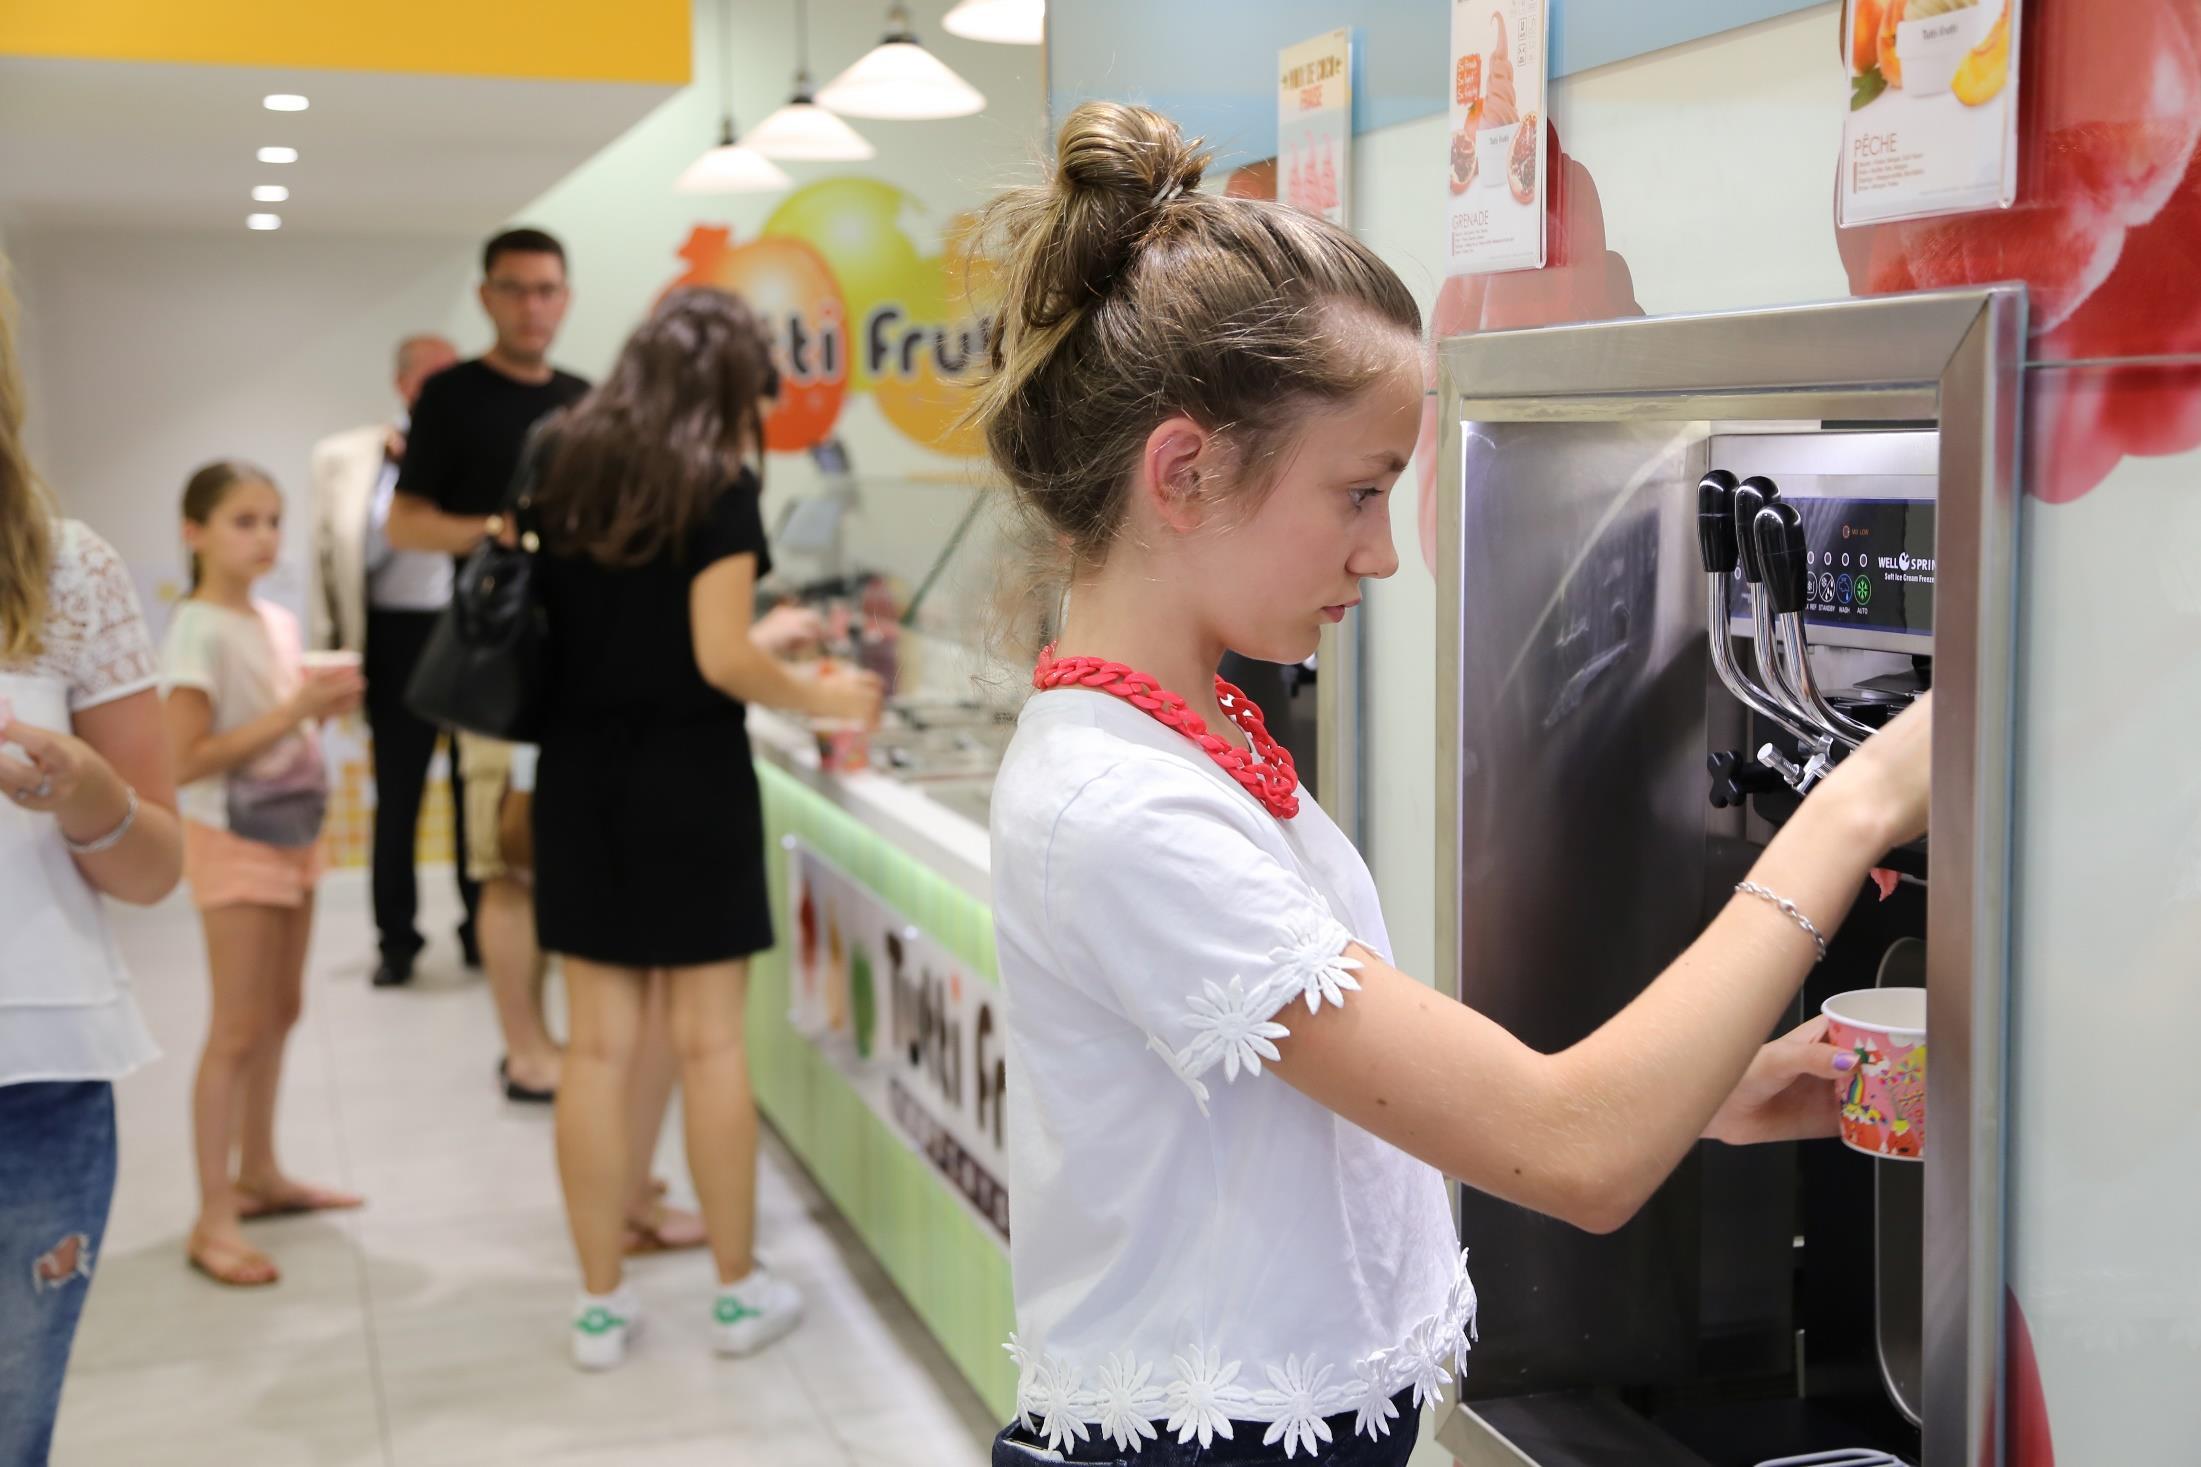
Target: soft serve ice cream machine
1685	565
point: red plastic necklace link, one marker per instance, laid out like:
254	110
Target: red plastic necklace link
1270	778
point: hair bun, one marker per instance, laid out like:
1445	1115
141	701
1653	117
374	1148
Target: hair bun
1116	166
1133	152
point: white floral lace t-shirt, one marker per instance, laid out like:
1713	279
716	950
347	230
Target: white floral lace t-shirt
66	1008
1193	1241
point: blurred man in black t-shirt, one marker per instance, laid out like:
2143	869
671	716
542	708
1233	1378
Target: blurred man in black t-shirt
468	429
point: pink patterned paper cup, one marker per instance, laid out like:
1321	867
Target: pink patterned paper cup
1884	1100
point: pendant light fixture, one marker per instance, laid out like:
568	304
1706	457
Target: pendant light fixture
730	168
1005	22
901	80
802	131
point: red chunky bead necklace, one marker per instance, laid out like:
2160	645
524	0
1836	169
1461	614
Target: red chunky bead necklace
1270	778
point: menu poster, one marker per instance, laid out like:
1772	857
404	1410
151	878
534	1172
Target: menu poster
1314	126
1933	108
1495	217
910	1030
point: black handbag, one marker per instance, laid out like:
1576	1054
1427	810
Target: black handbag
486	667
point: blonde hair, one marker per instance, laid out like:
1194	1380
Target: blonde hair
1130	297
26	509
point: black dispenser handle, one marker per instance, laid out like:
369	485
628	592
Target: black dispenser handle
1752	495
1716	521
1779	532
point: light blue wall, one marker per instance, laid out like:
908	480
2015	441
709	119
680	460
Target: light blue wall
1211	63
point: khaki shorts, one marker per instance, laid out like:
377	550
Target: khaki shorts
485	765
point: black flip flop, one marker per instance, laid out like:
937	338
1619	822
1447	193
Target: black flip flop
524	1094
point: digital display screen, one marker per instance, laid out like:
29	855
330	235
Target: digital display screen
1869	563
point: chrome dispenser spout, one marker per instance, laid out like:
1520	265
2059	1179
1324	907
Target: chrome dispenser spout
1779	532
1751	496
1717	519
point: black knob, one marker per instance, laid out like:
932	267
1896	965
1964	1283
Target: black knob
1716	520
1751	495
1779	532
1736	777
1726	769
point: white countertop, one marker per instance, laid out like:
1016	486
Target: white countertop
929	832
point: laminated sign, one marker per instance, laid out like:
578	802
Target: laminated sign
1932	126
1494	218
1314	126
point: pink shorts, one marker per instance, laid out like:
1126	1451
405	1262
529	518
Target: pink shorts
227	870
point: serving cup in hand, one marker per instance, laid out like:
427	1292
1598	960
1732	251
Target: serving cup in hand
331	663
1884	1101
327	661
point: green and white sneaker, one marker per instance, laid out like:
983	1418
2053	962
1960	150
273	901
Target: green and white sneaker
754	1312
602	1325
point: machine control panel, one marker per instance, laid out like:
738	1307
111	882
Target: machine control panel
1869	563
1868	504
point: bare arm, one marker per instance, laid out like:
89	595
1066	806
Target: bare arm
416	524
200	753
1588	1134
721	605
83	779
147	863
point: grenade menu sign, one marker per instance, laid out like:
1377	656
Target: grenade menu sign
912	1030
1932	125
1494	216
1314	126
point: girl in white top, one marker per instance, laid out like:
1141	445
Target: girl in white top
1233	1116
87	809
243	721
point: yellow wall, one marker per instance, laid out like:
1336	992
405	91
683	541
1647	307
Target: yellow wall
544	40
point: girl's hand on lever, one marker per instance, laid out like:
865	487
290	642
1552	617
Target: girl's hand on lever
1889	774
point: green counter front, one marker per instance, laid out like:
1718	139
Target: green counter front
952	1268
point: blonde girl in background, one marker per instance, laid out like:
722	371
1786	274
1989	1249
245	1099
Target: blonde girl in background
244	718
87	810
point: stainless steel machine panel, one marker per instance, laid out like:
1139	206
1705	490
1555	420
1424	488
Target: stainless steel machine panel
1578	853
1582	603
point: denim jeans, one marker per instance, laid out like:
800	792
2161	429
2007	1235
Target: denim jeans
57	1176
1016	1447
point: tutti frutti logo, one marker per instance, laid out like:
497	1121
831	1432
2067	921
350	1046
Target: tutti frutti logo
865	290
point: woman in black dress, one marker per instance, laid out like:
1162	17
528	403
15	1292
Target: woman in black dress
649	832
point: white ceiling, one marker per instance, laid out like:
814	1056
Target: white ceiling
94	144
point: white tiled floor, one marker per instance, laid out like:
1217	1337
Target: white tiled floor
428	1329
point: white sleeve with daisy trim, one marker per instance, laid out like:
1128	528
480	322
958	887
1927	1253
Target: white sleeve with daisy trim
1199	936
1195	1243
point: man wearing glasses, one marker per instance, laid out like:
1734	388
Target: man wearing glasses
468	429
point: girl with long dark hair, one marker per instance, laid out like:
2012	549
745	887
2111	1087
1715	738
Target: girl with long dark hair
649	829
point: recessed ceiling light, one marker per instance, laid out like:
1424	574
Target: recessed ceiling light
278	155
284	102
269	193
263	221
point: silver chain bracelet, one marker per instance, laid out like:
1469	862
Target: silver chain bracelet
113	837
1789	910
